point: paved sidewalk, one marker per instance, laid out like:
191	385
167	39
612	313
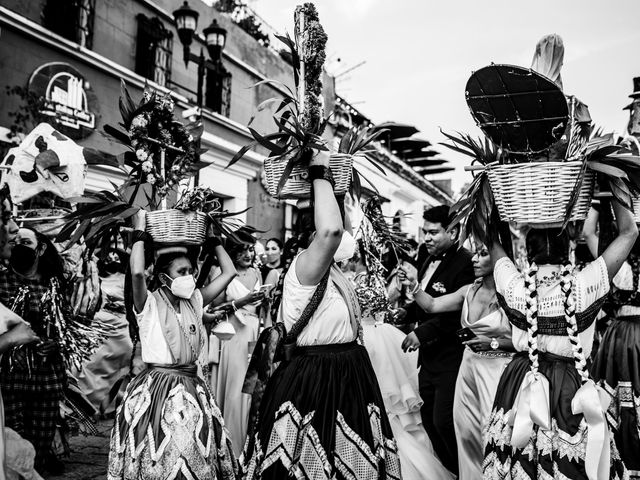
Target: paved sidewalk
89	455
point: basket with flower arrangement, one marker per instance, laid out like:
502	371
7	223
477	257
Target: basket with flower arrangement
300	119
161	153
538	164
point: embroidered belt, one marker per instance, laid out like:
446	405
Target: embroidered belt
188	370
629	318
492	353
324	349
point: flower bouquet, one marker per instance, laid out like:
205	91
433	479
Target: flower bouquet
161	153
300	119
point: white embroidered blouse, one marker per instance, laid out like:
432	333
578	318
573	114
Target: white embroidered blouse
590	287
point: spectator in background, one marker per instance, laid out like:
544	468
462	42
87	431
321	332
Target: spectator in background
273	258
33	379
244	296
111	360
14	332
446	269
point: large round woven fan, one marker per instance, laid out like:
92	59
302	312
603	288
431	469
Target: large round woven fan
517	108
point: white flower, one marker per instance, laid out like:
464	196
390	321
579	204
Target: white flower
151	179
139	121
147	166
175	168
142	155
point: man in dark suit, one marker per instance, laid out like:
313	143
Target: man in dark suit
446	269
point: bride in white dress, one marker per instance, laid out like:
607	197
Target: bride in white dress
397	375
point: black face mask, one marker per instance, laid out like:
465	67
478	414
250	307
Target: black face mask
112	267
23	258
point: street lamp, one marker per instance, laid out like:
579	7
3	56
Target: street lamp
215	39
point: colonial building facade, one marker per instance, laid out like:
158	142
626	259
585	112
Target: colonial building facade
76	53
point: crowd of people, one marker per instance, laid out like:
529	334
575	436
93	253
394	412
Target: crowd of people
336	359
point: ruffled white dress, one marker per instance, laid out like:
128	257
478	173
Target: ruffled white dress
397	375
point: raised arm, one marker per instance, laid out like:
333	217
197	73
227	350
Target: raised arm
589	231
618	251
219	283
136	262
313	263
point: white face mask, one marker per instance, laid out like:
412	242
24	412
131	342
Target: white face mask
183	287
346	249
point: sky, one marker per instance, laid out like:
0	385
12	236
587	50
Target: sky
420	53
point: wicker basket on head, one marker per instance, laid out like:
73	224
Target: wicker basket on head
538	193
298	185
177	227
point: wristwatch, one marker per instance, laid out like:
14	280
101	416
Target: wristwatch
495	345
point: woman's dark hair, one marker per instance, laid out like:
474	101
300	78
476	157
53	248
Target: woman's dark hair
277	241
50	263
547	246
5	195
234	248
122	256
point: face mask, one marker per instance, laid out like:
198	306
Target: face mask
183	287
112	267
346	249
23	258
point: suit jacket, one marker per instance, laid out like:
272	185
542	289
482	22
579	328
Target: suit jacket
440	348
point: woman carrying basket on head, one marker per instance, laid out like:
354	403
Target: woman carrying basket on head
547	419
169	426
616	364
322	413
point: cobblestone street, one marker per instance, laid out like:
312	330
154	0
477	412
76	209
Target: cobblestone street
88	460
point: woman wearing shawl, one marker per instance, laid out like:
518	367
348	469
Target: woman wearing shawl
322	413
548	416
487	354
16	454
168	425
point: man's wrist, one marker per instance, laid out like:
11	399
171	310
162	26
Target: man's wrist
415	288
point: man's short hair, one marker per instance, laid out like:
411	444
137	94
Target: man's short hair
439	214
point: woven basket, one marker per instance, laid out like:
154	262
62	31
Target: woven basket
538	193
177	227
298	185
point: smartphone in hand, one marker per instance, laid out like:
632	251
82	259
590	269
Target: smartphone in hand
465	334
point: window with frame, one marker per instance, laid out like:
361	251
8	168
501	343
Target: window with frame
71	19
218	96
154	47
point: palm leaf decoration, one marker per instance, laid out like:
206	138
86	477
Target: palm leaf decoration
385	235
475	212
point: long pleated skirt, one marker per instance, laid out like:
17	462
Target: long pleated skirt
617	369
169	427
555	453
322	417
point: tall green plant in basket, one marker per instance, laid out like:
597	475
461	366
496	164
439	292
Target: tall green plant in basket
299	116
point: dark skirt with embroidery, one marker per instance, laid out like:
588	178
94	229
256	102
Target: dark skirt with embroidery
555	453
322	417
169	427
617	369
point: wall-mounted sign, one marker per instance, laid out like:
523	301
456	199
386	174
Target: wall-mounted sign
68	96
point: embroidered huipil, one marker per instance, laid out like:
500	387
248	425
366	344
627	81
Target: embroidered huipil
590	287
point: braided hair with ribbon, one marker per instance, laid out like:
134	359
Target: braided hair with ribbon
566	283
530	283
